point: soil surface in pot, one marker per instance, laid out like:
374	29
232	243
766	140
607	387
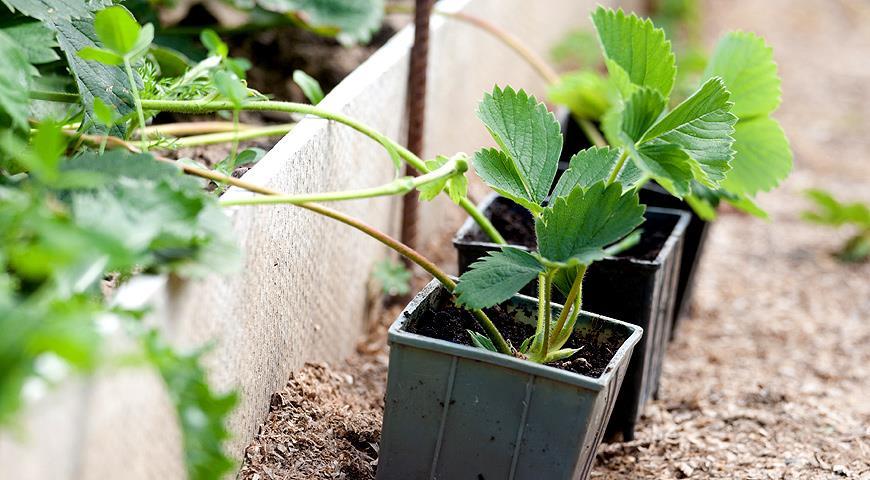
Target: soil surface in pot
518	227
450	323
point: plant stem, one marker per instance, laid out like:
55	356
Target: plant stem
484	223
209	106
534	60
62	97
590	130
570	310
538	347
569	301
548	311
247	133
235	147
396	187
136	101
404	250
203	106
199	106
619	164
181	129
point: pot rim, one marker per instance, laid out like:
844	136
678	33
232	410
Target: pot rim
398	335
668	246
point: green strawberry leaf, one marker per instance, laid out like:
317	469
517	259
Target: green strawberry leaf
309	85
351	20
712	96
500	173
117	29
636	52
585	93
528	134
54	9
496	278
481	341
702	207
101	55
831	211
667	164
14	85
456	186
745	63
393	277
94	79
640	112
762	157
36	40
746	204
702	126
578	226
586	168
203	412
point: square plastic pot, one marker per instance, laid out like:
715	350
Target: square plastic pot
457	412
638	291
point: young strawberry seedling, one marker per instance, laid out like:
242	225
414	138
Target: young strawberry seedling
831	212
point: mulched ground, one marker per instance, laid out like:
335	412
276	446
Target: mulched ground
769	377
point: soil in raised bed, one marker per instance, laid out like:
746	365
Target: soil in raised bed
450	323
517	226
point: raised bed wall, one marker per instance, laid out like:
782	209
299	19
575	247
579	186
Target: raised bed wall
302	293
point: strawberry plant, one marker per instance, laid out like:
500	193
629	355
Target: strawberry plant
731	148
588	212
831	212
591	215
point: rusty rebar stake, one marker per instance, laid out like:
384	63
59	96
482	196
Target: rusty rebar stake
417	74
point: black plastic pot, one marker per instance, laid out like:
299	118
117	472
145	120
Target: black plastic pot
693	246
640	291
458	412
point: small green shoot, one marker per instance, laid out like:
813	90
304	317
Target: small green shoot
393	277
831	212
309	85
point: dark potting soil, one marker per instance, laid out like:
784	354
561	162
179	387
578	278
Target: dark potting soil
450	323
517	226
